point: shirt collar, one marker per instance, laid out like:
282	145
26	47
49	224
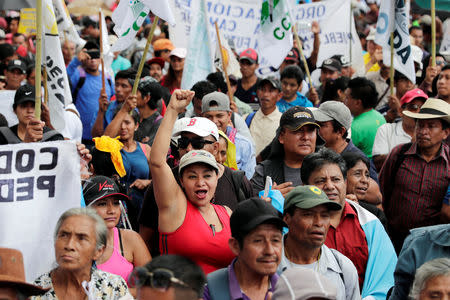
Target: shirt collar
348	211
413	150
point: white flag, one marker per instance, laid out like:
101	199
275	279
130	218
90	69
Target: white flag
59	95
199	61
275	36
108	55
129	16
393	17
65	23
231	63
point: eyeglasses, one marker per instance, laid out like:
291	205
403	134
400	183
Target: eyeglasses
161	279
412	107
197	144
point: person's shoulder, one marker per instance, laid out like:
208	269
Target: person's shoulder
129	236
106	278
44	280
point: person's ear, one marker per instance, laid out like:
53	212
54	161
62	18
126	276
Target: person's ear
215	148
234	246
99	252
287	219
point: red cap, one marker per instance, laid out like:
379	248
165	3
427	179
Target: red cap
156	60
250	55
411	95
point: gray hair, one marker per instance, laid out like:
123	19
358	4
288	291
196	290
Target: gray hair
101	231
430	269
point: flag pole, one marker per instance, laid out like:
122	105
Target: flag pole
230	95
297	39
433	33
100	22
391	69
37	103
144	55
44	80
350	34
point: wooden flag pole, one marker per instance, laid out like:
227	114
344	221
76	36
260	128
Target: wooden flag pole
433	33
224	67
144	55
37	104
391	69
101	48
299	44
45	86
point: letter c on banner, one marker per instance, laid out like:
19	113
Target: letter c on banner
286	27
135	25
382	29
276	35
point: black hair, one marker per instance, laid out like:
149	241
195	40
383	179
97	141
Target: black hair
183	269
315	161
363	89
294	72
92	44
3	121
446	67
202	88
30	69
331	88
6	50
129	73
218	80
17	34
352	158
155	91
134	114
414	27
338	127
102	163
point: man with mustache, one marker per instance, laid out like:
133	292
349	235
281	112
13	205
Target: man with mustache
307	213
419	171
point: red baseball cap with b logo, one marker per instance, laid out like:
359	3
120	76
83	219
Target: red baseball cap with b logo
249	54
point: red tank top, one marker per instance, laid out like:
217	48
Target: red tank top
195	240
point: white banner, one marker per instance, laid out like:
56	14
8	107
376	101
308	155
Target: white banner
393	17
239	22
59	95
65	23
38	182
6	106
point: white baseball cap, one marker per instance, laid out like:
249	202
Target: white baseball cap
179	52
198	125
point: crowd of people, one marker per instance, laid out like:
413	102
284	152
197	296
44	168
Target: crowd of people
242	188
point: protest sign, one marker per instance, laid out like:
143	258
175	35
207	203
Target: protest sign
38	182
27	23
239	22
6	106
65	23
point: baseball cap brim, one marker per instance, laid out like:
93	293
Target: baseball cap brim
247	58
24	99
334	69
106	194
301	125
270	219
310	204
321	116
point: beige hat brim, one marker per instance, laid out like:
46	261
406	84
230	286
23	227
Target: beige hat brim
425	116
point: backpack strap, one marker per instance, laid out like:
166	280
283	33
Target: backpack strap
9	135
120	241
218	284
249	118
237	177
80	83
49	134
400	158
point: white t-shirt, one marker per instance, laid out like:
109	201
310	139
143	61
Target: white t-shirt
388	136
74	128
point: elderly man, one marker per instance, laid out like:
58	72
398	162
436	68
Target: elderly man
307	213
296	138
256	239
170	277
216	107
12	277
419	172
432	280
232	187
354	231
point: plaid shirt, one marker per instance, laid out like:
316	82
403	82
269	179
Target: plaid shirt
413	197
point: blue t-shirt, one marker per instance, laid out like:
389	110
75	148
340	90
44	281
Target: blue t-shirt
136	166
301	100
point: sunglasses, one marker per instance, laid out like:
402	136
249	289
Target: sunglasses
197	144
161	279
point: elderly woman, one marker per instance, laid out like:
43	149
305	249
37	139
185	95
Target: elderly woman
80	239
432	280
189	224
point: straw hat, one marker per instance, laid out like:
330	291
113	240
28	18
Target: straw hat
432	109
12	273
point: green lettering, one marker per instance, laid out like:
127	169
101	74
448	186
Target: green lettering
276	35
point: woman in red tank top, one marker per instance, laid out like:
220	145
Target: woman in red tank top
189	224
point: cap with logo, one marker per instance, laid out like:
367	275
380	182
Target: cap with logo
302	283
345	62
195	157
275	82
215	101
309	196
251	213
331	64
432	109
334	110
296	117
163	44
25	93
198	125
249	54
411	95
293	56
99	187
17	64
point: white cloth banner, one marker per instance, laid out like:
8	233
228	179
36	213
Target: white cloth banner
65	23
108	55
393	17
239	22
6	106
59	95
199	61
445	44
38	182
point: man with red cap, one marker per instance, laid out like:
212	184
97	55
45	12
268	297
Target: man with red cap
390	135
246	86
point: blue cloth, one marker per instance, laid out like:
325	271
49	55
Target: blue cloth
136	166
110	112
245	154
119	64
379	276
301	100
447	196
422	245
87	97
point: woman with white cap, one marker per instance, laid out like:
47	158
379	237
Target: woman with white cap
172	80
189	224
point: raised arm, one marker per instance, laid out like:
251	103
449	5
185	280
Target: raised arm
112	130
168	194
